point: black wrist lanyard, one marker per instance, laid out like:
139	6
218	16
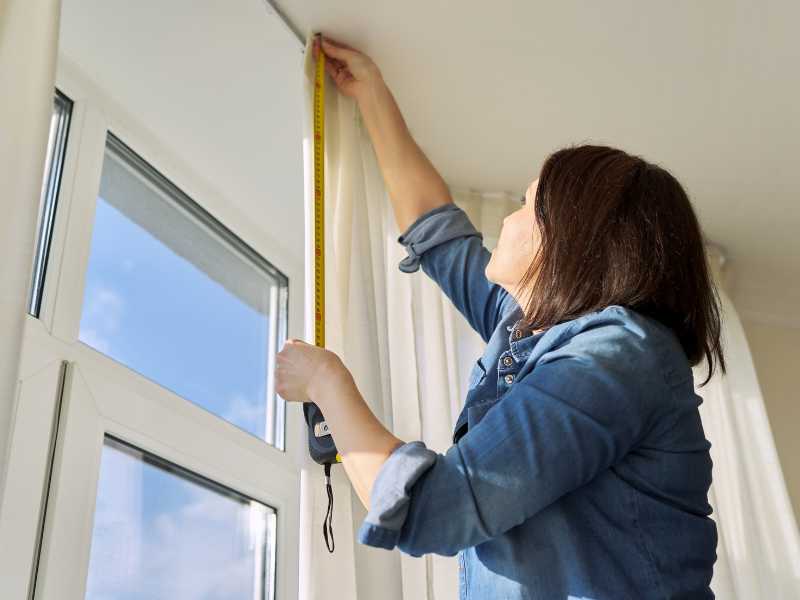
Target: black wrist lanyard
327	524
323	450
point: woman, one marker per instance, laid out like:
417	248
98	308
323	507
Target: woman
579	467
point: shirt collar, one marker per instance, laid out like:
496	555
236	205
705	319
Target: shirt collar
520	341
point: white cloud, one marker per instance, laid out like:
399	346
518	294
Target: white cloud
102	315
245	413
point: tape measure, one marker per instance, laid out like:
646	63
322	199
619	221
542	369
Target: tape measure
319	201
321	446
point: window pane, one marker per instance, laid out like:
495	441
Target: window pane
175	296
162	532
51	182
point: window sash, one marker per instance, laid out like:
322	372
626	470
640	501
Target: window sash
174	429
174	223
51	184
157	422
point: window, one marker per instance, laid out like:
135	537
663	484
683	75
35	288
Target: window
162	532
56	148
174	295
149	454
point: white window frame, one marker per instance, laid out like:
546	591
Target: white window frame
59	137
85	394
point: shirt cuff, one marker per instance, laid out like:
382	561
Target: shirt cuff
391	494
438	225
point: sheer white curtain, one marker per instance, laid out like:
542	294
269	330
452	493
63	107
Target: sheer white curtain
410	353
408	349
758	553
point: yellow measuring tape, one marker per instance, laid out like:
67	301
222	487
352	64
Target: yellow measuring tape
319	205
319	202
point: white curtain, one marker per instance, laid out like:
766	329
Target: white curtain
410	353
408	349
758	553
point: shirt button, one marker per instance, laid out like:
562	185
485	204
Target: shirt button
517	334
508	361
509	378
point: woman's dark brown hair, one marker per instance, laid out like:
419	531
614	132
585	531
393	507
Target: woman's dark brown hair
617	229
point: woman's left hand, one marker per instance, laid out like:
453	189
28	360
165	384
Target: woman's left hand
303	369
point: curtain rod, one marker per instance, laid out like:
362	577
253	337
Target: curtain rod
273	7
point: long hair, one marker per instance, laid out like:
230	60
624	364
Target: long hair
616	229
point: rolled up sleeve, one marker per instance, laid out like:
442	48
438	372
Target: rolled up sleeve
573	416
451	252
391	494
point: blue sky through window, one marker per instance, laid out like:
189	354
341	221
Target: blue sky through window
155	312
159	533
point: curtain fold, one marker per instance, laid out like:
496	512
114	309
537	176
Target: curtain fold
758	552
410	353
355	302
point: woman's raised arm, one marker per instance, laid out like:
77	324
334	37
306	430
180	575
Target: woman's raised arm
414	185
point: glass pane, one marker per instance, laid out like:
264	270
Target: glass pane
175	296
51	183
162	532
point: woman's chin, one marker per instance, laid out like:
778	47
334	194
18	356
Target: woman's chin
489	272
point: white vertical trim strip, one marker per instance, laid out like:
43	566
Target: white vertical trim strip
28	46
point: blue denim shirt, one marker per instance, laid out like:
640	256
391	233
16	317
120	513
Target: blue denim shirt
579	467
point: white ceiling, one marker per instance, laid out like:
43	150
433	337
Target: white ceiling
710	90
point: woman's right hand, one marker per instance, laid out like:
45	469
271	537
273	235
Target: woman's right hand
352	71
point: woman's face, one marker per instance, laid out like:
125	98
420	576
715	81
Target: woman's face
519	240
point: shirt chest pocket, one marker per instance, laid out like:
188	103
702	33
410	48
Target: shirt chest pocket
477	375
